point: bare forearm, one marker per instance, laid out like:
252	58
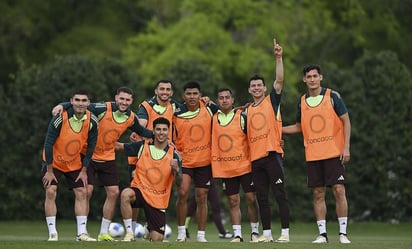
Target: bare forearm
292	129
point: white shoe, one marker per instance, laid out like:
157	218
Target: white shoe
343	239
181	238
283	239
53	237
264	239
320	240
237	239
254	237
84	237
128	237
201	239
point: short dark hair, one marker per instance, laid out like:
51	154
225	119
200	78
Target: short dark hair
164	81
224	89
81	92
191	84
125	89
161	120
257	77
310	67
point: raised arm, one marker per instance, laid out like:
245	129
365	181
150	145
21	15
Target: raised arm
278	51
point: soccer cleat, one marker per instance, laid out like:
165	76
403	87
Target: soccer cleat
320	239
226	235
237	239
254	237
201	239
264	239
105	237
181	238
283	239
343	239
53	237
128	237
84	237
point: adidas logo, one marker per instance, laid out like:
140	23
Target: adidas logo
341	178
279	181
50	224
252	184
208	183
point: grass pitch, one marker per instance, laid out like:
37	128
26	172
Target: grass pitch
33	235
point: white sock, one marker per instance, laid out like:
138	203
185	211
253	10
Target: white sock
181	231
255	227
343	223
321	226
128	225
104	227
51	224
201	234
284	232
267	233
81	224
237	230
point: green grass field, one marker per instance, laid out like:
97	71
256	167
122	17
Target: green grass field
33	235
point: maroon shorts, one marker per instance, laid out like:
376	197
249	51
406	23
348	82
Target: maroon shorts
201	176
325	173
156	218
107	173
70	176
231	186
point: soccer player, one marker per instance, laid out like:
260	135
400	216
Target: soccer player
68	133
114	119
160	104
231	162
323	119
264	130
192	136
158	165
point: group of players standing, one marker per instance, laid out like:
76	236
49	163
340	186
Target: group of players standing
240	146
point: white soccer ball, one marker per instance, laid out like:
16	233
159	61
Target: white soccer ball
116	230
139	230
168	231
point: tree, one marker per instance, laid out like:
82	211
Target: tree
377	92
30	99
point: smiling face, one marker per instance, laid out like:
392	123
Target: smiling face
163	92
123	101
161	133
80	102
257	89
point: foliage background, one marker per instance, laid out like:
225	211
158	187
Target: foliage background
50	47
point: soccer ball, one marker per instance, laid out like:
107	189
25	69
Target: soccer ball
139	230
168	231
116	230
